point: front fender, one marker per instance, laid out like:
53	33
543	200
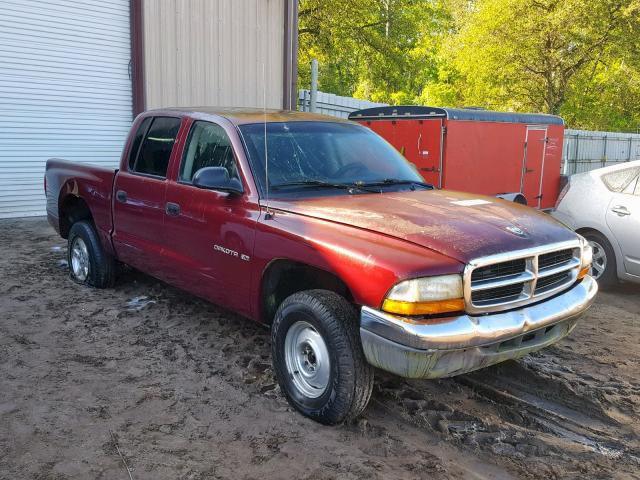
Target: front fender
368	263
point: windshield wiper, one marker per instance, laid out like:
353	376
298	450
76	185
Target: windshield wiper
396	181
322	184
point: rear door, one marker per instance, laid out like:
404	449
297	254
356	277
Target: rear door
139	200
209	234
533	164
419	141
623	215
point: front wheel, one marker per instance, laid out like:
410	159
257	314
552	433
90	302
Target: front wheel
603	266
318	357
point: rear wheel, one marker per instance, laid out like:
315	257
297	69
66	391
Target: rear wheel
318	357
89	264
603	266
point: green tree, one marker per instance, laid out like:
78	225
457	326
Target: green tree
576	58
527	53
383	50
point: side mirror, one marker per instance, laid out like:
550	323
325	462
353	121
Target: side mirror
216	178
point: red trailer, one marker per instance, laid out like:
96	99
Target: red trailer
479	151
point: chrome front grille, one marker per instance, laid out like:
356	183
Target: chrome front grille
508	280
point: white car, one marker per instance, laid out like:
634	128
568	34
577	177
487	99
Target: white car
604	206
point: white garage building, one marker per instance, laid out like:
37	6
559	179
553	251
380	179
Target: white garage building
73	74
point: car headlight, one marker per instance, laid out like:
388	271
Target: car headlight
586	257
426	296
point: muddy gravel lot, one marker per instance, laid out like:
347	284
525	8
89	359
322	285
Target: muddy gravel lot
145	381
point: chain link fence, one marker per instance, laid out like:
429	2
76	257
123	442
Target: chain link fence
585	150
330	104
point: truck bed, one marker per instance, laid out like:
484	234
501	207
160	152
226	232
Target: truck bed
67	181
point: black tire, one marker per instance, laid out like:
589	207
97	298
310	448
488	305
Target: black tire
609	277
101	265
350	378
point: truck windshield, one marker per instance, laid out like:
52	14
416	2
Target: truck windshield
325	157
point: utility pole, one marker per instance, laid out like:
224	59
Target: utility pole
313	104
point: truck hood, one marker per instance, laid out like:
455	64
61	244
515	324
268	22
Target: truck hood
460	225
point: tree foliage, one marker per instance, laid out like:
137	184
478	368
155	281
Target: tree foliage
576	58
377	49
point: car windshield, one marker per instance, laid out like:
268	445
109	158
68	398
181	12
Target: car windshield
325	157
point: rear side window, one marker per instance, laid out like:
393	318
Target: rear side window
153	158
137	140
208	145
618	181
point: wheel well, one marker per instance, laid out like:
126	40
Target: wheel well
71	210
586	230
285	277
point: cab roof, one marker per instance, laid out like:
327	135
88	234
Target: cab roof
242	116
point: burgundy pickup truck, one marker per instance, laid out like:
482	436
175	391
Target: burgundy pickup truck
318	228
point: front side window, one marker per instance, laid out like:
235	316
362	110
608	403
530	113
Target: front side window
620	180
208	145
323	152
154	154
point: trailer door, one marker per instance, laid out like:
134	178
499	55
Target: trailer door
419	141
533	164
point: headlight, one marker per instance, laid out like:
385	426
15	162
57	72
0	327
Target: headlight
426	296
586	257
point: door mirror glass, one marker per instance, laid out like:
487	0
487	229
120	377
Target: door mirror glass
216	178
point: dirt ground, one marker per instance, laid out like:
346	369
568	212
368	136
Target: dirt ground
150	378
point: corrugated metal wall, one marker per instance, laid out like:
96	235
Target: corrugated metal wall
202	52
64	91
331	104
586	150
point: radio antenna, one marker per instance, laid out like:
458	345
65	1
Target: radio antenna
267	214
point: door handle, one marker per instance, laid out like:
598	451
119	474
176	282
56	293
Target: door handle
172	209
430	169
121	196
621	210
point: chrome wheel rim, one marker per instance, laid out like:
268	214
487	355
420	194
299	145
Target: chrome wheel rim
79	259
307	359
599	262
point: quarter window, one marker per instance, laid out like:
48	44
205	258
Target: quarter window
208	145
155	152
634	187
619	180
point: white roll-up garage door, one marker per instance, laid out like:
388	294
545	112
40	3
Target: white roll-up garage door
65	91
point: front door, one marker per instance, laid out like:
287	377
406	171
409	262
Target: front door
140	188
533	164
209	234
623	218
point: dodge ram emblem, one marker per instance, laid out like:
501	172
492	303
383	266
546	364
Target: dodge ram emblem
516	231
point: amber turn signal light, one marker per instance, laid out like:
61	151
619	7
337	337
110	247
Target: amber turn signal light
583	272
398	307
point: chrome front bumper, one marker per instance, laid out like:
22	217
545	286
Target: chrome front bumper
461	344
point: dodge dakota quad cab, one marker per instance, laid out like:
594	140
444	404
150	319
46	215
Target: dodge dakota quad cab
320	229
